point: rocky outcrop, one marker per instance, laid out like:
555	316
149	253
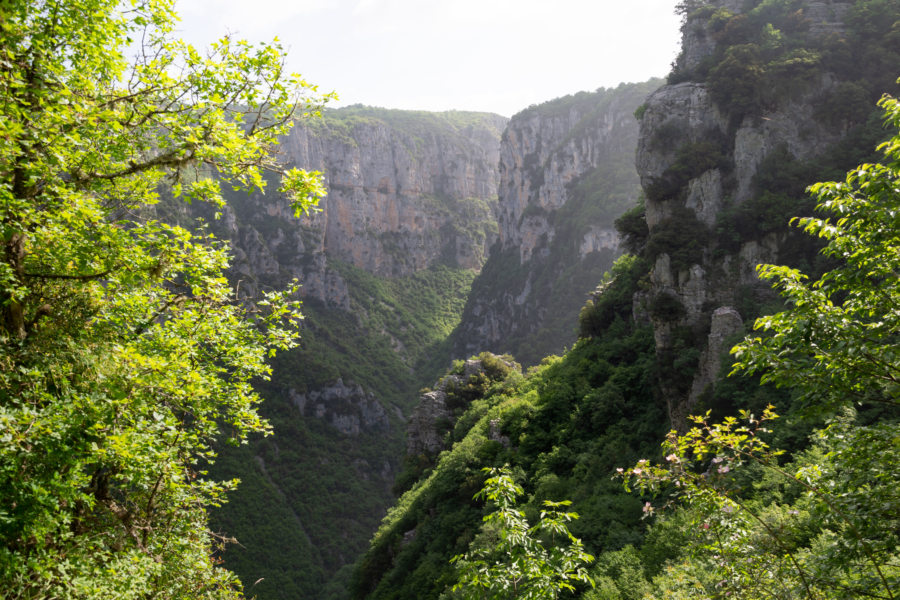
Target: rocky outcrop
688	189
433	416
429	419
566	174
698	35
544	150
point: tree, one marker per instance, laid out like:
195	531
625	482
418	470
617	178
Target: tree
124	354
826	525
837	341
510	560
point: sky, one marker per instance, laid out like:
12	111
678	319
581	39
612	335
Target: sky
497	56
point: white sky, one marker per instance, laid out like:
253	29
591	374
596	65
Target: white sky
490	55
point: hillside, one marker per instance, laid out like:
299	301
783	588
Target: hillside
385	267
765	99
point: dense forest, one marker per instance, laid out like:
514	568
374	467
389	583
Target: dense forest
724	424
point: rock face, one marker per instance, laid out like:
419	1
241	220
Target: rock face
425	429
347	408
544	150
566	173
406	191
754	140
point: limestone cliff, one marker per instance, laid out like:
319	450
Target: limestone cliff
406	191
566	173
764	100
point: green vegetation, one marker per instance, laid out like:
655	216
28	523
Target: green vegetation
780	181
589	104
510	560
313	480
415	125
682	236
125	358
692	159
396	343
765	59
769	53
816	518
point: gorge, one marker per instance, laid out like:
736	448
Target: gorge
637	342
445	235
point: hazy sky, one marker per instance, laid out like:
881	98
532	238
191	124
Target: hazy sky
491	55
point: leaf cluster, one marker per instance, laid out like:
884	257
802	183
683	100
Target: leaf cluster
514	562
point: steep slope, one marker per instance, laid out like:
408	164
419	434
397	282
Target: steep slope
384	268
767	97
566	173
406	191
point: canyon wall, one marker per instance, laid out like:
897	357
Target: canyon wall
763	101
566	173
406	191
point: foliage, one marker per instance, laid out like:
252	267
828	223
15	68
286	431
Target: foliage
692	159
336	482
511	560
124	353
416	125
682	236
769	52
828	531
612	299
586	103
632	227
769	56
